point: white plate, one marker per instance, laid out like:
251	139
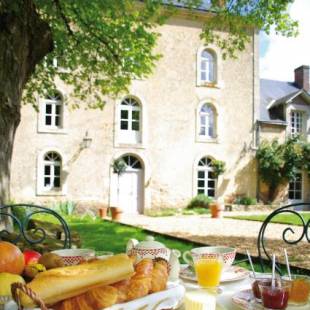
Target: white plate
245	300
234	273
171	298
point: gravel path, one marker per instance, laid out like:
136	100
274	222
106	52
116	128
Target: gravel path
231	232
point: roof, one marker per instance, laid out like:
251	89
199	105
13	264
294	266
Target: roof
272	92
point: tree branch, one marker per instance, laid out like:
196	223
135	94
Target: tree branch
100	39
63	16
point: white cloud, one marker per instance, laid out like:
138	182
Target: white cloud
283	55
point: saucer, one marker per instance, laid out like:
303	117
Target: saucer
234	273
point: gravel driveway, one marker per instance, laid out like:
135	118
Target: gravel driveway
241	234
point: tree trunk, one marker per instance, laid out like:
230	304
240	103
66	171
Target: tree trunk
24	39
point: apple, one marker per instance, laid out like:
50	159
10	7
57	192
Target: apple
31	256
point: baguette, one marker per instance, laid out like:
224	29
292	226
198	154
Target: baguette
61	283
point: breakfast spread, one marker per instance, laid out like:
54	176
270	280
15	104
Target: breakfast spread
75	279
92	284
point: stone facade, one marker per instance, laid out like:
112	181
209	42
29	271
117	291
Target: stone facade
169	149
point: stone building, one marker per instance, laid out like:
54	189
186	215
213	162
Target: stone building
194	108
285	112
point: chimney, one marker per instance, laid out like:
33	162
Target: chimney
302	78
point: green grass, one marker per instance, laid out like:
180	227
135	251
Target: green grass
103	235
281	218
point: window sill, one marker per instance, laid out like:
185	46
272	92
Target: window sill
216	85
51	193
130	145
207	140
53	131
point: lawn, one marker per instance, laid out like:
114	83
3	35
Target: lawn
103	235
281	218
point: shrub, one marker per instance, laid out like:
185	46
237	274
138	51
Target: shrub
219	167
246	201
64	207
199	201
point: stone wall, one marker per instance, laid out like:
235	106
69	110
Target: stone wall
170	150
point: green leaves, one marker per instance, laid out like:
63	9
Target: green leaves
279	163
103	45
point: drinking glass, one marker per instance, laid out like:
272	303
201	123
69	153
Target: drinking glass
260	278
208	271
275	297
300	290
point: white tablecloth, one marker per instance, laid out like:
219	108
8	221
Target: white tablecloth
224	299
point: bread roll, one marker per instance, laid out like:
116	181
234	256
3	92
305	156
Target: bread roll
61	283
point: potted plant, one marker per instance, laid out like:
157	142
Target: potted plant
119	167
219	167
103	212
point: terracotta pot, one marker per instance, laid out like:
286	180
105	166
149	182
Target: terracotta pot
103	212
116	213
216	209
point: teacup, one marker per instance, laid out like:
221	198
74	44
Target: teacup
74	256
213	252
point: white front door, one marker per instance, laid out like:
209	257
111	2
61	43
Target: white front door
131	191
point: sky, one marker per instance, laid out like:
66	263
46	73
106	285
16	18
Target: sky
279	56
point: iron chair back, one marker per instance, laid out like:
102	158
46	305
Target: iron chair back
22	224
287	209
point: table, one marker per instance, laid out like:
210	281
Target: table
224	299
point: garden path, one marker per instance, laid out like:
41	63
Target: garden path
240	234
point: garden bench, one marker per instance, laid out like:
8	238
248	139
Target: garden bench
30	232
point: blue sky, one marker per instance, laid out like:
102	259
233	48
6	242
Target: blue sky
279	56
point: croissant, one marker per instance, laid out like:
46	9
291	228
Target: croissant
140	284
94	299
148	277
159	276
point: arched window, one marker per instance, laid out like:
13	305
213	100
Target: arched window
206	181
53	111
207	67
130	121
207	121
52	171
132	162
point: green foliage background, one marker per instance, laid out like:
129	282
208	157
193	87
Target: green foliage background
278	163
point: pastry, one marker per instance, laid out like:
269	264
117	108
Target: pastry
61	283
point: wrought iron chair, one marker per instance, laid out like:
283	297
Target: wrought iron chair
26	231
289	230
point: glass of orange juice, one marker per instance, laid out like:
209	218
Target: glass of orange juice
208	271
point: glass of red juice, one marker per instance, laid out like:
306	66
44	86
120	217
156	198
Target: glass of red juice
260	278
275	297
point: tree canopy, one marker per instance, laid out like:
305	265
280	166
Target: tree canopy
107	43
